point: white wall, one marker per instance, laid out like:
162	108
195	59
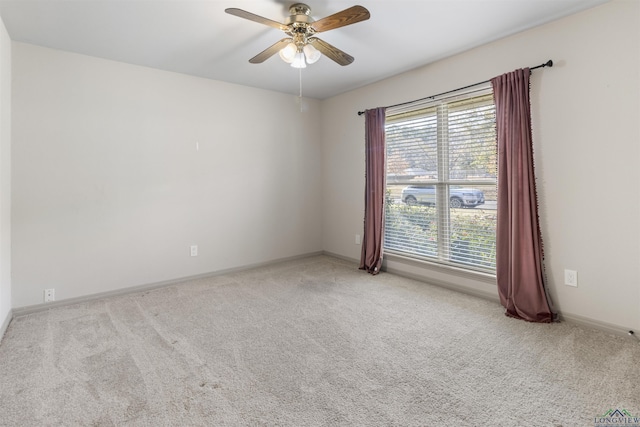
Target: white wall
587	149
5	177
109	190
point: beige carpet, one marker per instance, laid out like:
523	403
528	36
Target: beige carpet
313	342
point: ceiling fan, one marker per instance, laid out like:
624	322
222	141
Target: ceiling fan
301	47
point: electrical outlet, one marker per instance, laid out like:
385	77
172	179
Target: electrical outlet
194	250
358	239
49	295
571	278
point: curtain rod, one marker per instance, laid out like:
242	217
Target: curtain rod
549	63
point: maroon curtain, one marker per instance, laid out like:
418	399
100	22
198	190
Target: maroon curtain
519	268
371	257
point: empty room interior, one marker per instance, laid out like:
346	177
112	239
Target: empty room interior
182	230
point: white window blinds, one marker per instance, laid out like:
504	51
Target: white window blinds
441	181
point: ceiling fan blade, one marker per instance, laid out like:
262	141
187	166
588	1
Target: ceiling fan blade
331	52
270	51
255	18
346	17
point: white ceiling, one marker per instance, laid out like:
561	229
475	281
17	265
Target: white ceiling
197	37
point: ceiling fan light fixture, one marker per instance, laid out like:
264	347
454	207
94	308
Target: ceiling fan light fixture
300	29
298	61
311	53
288	53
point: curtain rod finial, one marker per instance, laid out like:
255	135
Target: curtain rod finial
549	63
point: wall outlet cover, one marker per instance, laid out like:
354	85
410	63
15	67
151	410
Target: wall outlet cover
571	278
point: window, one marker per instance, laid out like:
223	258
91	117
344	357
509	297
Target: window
441	181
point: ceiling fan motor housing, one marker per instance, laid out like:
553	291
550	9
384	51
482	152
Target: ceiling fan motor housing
299	23
300	9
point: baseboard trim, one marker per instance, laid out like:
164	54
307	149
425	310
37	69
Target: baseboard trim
595	324
443	284
5	324
30	309
567	317
419	278
575	319
342	257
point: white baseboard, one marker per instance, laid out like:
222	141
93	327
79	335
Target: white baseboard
596	324
342	257
23	311
5	324
567	317
443	284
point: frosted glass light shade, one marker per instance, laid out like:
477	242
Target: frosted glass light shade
311	53
298	61
288	53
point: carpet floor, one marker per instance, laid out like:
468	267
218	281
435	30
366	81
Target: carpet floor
311	342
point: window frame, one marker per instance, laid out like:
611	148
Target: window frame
443	183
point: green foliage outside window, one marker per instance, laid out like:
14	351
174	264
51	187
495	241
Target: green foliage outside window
414	229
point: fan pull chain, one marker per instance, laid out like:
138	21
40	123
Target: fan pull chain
300	95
